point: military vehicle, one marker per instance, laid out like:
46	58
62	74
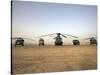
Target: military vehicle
41	42
20	40
92	40
76	42
58	38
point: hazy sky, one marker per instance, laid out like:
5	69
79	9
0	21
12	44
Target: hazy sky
35	18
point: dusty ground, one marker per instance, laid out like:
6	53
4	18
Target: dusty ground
34	59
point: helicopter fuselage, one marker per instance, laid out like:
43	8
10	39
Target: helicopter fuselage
58	40
93	41
19	42
76	42
41	42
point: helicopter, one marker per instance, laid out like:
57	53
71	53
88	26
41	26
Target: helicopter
58	39
20	40
41	42
93	40
76	42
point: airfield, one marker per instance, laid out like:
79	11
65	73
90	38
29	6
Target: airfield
34	59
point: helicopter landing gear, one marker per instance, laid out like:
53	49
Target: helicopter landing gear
22	44
58	43
41	44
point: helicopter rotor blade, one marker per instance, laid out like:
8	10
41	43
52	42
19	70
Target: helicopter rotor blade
71	35
63	35
29	39
90	38
47	35
15	37
51	36
22	38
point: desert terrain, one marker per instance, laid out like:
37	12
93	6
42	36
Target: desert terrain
35	59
